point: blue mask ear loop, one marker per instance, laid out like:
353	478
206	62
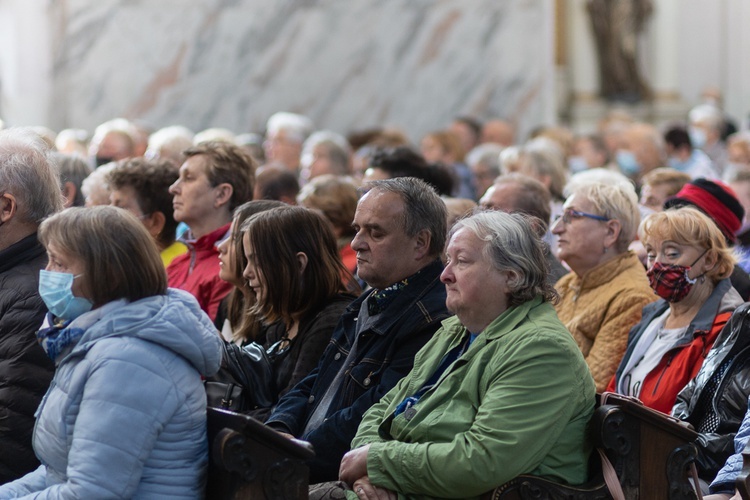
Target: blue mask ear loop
692	281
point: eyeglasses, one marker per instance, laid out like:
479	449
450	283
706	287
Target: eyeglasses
570	214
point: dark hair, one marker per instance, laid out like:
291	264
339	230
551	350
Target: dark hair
150	180
74	169
423	208
401	161
276	237
275	182
678	137
474	125
230	164
120	257
245	325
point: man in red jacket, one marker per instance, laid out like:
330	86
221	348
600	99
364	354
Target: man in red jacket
216	178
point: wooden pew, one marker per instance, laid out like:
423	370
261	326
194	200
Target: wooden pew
650	452
247	460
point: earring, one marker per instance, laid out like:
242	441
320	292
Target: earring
606	249
703	279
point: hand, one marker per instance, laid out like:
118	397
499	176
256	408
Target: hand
288	436
366	490
354	465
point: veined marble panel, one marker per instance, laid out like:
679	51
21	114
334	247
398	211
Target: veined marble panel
347	64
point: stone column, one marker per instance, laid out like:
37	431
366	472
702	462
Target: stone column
25	62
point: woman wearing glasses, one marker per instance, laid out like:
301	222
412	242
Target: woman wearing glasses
602	298
296	274
689	267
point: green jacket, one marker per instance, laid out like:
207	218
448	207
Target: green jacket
516	402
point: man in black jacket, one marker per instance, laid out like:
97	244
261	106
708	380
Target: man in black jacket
29	192
401	231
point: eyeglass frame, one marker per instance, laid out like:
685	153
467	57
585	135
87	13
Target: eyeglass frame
568	212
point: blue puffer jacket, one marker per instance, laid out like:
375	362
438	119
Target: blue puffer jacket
125	415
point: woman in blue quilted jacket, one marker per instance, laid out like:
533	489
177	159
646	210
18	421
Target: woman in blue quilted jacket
125	415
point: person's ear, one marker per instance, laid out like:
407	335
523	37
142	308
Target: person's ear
155	223
710	260
224	193
302	261
422	243
614	228
8	207
69	191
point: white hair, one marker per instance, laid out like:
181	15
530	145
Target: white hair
297	127
709	114
600	175
214	134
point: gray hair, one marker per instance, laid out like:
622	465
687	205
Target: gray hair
27	173
297	127
73	169
423	208
169	143
337	147
512	244
487	154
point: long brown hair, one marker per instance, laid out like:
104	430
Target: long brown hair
245	325
276	237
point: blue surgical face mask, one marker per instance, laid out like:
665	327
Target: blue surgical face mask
56	290
676	164
697	137
627	163
577	164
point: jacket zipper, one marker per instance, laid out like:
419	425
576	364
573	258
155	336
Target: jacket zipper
664	370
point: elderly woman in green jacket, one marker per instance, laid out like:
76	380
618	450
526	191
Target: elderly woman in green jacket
501	390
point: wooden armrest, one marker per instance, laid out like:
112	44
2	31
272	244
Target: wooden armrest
219	419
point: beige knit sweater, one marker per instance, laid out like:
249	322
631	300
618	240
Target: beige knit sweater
600	307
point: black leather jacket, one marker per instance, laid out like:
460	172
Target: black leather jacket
729	403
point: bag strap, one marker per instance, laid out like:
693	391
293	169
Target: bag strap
610	477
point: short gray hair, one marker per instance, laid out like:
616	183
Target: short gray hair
423	208
297	127
27	173
512	244
488	154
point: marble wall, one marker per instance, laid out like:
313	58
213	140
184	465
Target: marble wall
348	64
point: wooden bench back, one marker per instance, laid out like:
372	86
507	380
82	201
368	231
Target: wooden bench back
248	460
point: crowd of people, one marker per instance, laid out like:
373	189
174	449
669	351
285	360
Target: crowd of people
409	302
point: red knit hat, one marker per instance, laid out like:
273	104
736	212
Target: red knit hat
715	199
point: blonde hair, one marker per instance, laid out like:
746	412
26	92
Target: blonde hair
690	227
618	202
670	177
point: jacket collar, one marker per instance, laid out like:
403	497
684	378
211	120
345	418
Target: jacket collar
606	272
21	251
720	300
426	279
207	241
500	326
